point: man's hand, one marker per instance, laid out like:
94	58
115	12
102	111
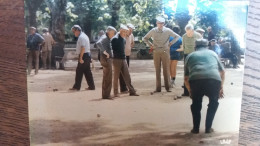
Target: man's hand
170	44
151	49
81	61
105	52
221	93
179	50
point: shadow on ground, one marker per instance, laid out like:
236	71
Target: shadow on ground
97	134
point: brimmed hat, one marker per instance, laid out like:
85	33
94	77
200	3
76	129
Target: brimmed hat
122	26
213	40
109	28
76	27
32	28
201	43
45	30
130	25
160	19
200	30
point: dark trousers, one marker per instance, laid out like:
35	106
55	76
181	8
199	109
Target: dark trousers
199	88
46	59
128	60
84	68
120	67
107	76
186	92
121	79
33	55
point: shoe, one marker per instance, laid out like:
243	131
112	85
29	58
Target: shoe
109	98
73	89
124	92
209	130
90	88
185	94
156	91
168	90
195	131
116	95
173	83
133	94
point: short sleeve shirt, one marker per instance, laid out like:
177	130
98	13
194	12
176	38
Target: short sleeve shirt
83	41
203	64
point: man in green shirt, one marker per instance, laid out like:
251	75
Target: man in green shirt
204	75
188	43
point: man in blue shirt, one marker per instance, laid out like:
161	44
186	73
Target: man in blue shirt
34	42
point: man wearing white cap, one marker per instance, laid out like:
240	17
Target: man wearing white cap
161	47
128	47
119	61
130	42
83	50
103	44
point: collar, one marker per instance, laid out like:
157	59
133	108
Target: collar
160	30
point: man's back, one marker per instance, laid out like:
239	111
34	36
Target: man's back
203	64
48	41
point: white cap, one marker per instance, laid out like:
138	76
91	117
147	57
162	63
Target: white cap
200	30
160	19
122	26
109	28
130	26
76	27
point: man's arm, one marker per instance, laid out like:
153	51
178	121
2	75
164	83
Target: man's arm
147	37
175	36
222	75
133	41
82	51
186	73
103	45
186	82
52	40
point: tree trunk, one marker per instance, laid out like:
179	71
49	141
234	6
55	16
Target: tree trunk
57	29
14	127
115	7
33	6
182	15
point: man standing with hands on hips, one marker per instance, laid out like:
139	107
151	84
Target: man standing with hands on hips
161	47
83	49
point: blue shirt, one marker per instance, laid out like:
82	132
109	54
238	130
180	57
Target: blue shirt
176	45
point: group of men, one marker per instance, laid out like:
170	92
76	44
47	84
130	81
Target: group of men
39	44
111	41
204	73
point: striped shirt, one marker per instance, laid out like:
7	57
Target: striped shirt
104	45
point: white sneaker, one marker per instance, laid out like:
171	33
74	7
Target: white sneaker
172	83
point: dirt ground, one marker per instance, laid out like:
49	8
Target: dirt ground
62	118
